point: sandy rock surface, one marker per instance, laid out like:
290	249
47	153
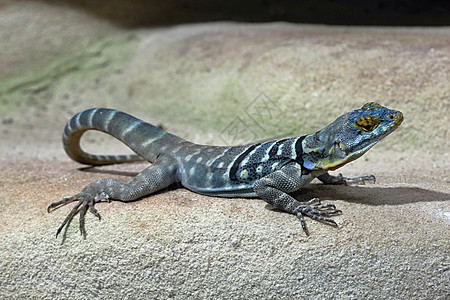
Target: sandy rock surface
197	81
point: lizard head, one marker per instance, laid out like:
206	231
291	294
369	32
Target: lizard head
349	136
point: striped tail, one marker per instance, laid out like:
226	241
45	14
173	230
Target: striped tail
135	133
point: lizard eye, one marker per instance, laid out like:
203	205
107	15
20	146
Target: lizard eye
366	123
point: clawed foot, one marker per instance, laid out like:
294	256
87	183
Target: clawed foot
317	212
85	201
347	181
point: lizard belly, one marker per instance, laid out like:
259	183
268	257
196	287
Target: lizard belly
231	191
215	183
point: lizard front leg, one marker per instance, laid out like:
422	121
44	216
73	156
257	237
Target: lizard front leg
330	179
274	189
152	179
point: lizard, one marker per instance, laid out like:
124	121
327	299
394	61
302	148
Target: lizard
269	170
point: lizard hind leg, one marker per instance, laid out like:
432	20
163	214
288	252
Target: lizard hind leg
152	179
85	201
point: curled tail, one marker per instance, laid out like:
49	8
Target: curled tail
140	136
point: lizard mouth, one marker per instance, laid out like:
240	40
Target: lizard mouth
347	155
399	119
339	147
338	150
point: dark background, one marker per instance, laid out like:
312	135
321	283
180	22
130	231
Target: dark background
142	13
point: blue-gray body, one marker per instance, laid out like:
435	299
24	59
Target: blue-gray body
269	170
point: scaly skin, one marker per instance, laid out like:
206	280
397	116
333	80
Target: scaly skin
269	170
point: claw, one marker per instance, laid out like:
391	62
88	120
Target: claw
359	180
331	206
316	212
83	211
69	217
313	200
339	179
85	201
302	222
94	212
58	204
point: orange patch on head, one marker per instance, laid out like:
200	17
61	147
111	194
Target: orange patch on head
366	123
